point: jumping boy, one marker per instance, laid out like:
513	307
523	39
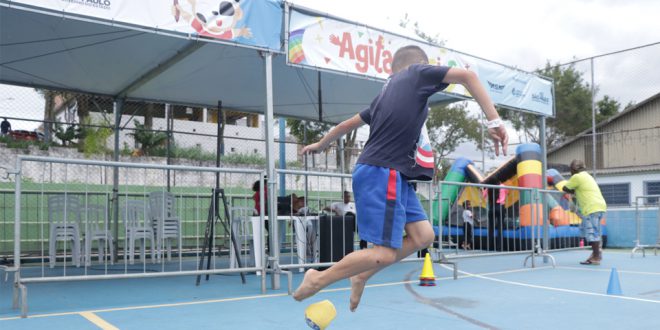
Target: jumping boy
386	202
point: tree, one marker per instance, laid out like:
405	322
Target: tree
93	138
449	126
147	138
315	130
606	108
572	104
69	134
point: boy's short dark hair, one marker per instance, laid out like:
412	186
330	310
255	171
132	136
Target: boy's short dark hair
405	56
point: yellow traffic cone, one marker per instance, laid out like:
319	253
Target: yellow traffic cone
319	315
427	278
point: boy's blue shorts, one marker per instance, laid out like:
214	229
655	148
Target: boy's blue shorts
385	202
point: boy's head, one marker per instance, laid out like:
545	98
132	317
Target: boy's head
406	56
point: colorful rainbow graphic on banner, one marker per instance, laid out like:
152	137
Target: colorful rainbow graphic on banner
296	53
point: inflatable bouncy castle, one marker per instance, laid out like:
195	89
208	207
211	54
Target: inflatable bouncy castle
506	218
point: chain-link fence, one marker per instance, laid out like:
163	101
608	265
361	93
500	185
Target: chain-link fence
626	78
82	126
72	125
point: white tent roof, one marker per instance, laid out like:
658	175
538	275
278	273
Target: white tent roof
39	48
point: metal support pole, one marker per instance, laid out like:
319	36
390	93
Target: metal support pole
219	143
544	180
168	120
593	120
305	159
342	163
17	218
274	258
119	105
282	124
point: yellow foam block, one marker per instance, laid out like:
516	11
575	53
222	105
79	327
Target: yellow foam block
319	315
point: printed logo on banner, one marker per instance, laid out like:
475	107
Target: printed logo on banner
523	80
540	98
496	88
517	92
102	4
371	54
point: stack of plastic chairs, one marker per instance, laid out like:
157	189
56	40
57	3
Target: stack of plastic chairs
64	219
166	224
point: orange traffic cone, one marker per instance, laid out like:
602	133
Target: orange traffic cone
427	278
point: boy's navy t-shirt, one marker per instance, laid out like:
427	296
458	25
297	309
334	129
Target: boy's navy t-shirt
396	117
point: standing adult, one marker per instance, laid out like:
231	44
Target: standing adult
591	205
5	127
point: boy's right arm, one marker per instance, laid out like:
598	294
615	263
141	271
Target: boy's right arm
471	82
334	134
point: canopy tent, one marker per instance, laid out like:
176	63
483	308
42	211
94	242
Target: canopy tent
153	51
110	54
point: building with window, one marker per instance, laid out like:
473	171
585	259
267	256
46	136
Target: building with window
627	167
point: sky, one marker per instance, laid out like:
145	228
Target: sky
524	34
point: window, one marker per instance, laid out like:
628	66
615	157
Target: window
616	193
652	188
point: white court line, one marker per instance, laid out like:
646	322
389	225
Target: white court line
557	289
118	309
608	270
99	322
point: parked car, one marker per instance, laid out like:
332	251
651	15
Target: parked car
23	135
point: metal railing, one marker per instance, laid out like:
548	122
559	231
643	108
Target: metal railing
61	227
643	221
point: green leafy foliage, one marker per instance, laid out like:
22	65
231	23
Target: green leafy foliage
315	130
68	134
148	139
94	138
449	126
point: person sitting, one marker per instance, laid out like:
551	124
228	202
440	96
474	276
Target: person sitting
257	197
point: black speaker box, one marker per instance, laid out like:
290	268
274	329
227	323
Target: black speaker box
336	236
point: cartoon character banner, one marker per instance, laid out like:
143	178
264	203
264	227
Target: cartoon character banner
328	43
250	22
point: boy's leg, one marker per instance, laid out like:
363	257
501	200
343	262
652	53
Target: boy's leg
419	235
354	263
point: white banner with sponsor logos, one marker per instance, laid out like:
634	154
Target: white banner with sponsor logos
250	22
319	41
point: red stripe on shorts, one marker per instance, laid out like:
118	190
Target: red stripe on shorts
391	185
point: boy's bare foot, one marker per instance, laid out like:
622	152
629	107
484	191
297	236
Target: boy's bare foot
357	287
308	287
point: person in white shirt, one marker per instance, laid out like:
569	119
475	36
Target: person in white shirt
468	224
346	207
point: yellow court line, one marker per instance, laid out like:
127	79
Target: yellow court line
99	322
118	309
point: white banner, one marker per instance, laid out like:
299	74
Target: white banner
251	22
318	41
